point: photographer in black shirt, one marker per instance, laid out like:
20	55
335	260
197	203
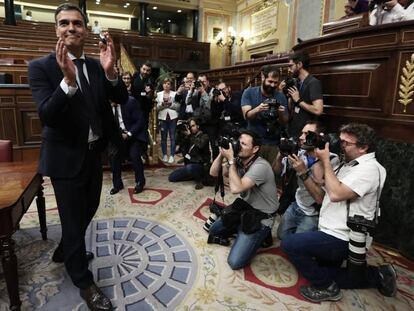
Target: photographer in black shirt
226	113
305	95
194	146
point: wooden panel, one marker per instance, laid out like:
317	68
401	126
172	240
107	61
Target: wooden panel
401	92
334	46
32	127
408	36
168	52
374	40
9	126
140	51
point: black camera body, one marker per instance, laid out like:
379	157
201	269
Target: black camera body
225	141
184	126
217	92
197	84
290	82
272	113
288	146
316	140
359	223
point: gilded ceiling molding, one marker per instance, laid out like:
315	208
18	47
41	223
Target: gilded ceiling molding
406	91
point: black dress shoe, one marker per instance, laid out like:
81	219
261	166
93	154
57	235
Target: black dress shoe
58	256
116	189
113	191
139	188
95	299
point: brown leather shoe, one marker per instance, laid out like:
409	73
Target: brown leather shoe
95	299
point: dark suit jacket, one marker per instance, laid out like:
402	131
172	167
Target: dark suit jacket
65	120
134	119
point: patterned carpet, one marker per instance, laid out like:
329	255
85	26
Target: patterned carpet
151	254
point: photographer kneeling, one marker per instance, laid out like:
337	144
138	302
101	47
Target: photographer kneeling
347	214
195	150
252	215
303	213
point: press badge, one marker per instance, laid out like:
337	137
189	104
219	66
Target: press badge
187	156
297	109
143	94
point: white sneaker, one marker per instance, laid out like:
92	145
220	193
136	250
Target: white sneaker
171	160
164	158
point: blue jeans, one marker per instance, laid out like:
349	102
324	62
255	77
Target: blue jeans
294	220
244	247
168	128
318	257
192	171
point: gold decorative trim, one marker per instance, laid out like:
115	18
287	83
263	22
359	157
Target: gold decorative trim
264	5
406	91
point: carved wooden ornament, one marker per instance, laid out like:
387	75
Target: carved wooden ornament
406	91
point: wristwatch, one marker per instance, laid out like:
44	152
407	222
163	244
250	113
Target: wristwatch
298	101
305	175
230	162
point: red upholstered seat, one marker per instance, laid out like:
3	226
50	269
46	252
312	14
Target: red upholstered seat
6	151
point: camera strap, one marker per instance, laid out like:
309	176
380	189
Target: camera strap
377	207
219	186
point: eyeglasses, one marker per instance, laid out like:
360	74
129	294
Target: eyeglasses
347	143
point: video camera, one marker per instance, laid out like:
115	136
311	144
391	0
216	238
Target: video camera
288	146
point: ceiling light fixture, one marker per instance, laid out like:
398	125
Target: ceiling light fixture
179	11
154	7
169	21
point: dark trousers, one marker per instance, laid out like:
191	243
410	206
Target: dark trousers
77	200
135	151
318	257
191	171
212	130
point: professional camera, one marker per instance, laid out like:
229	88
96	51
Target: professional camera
225	141
359	227
272	113
288	146
359	223
290	82
315	140
197	84
151	86
217	92
183	126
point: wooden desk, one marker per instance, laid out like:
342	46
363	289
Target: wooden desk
19	184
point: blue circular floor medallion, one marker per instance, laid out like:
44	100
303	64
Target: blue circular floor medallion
142	264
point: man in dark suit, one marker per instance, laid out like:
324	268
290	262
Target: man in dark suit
135	136
72	94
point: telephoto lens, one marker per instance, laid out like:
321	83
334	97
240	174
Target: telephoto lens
357	253
209	222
